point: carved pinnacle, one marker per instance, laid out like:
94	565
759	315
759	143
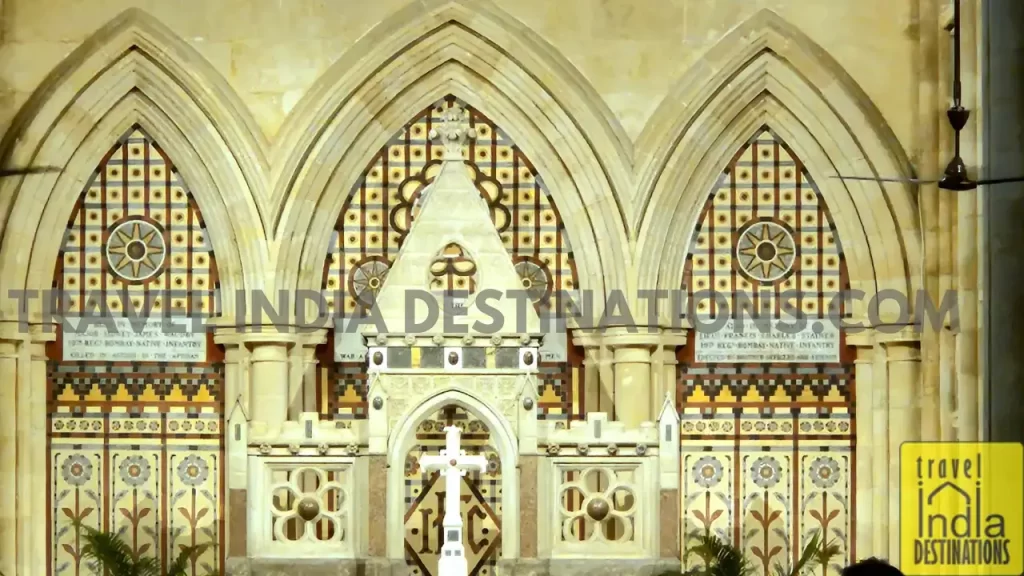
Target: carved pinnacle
453	132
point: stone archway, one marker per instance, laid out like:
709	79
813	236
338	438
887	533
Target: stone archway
414	497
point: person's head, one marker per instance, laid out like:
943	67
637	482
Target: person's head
871	567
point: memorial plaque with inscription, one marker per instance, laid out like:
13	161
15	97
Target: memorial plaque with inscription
162	339
349	343
817	340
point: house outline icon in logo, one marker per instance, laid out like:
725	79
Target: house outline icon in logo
966	510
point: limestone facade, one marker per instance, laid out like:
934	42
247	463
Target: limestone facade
625	113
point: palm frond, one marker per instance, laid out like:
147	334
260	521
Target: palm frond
109	551
808	557
824	554
719	558
180	565
114	556
148	567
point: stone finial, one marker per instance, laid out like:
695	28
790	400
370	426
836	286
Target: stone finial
453	132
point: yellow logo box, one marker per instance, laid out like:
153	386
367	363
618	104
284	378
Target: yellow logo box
962	508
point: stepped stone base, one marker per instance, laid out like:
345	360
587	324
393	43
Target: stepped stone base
384	567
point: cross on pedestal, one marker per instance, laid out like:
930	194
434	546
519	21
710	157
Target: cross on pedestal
453	464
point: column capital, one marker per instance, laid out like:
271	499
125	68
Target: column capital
14	331
18	333
862	338
587	339
637	337
896	333
902	351
229	336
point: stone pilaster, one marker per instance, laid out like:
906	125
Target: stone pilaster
598	378
8	457
904	362
34	477
663	368
864	416
880	455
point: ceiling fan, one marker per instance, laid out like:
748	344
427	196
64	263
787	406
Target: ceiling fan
955	176
5	172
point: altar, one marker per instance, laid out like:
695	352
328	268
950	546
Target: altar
452	472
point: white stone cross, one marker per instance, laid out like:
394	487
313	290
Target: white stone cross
453	464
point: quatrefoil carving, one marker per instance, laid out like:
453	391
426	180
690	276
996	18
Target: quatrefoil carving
312	501
615	503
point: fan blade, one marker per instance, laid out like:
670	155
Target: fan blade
999	181
30	170
903	180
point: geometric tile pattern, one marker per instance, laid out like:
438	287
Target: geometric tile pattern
424	497
137	447
765	232
767	448
136	190
382	204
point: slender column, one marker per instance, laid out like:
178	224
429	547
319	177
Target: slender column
864	386
945	405
296	371
658	383
930	107
880	455
25	482
663	371
967	392
904	359
34	478
269	365
632	365
310	363
598	379
969	249
8	458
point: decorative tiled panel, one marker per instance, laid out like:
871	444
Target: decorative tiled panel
771	385
159	491
771	492
424	497
765	230
137	230
135	385
767	448
136	447
379	211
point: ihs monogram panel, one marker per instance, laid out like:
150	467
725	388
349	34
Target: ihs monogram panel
425	492
381	208
767	448
136	447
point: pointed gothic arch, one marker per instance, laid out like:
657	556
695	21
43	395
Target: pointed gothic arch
401	440
766	72
132	71
495	64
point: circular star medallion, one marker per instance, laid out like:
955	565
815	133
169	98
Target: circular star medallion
366	278
136	250
765	251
